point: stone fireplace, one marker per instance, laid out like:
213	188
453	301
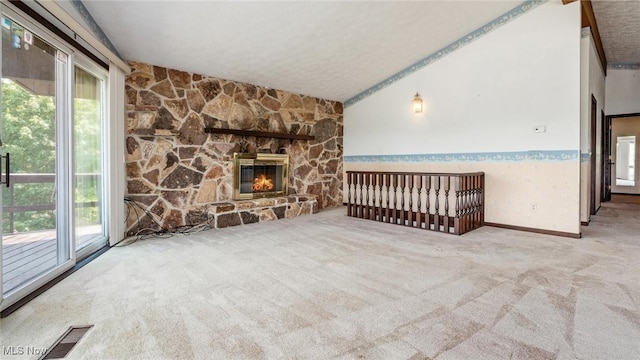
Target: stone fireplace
259	175
179	174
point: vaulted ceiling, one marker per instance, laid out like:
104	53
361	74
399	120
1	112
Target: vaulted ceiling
329	49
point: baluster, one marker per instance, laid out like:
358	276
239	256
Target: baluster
374	183
463	205
428	210
367	178
436	188
360	195
387	179
467	203
410	217
457	190
419	212
380	207
371	196
403	179
473	203
395	198
456	220
447	181
447	184
349	193
354	211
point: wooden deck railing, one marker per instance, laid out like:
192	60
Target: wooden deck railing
450	203
10	208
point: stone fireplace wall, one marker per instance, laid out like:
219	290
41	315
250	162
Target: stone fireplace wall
176	172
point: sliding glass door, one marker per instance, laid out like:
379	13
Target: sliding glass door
88	125
52	157
35	239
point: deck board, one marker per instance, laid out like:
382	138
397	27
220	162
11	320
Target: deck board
28	257
29	254
11	250
26	247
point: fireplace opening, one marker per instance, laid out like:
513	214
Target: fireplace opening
260	175
260	178
262	183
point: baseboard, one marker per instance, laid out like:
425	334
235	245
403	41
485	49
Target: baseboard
535	230
585	223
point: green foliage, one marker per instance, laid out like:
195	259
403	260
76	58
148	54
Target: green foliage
28	129
88	154
29	133
87	131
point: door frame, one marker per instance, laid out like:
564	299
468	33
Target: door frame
609	120
592	151
605	163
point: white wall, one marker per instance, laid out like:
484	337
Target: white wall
487	97
592	82
524	74
623	91
623	97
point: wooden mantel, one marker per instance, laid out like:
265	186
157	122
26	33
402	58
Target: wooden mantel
266	134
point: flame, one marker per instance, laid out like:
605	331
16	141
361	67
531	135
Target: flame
261	183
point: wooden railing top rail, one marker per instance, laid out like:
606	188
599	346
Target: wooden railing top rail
416	173
10	208
41	178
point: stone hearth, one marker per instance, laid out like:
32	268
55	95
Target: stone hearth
221	215
175	171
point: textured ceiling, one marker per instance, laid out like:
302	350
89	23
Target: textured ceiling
329	49
619	27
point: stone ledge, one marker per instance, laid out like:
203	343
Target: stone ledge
242	212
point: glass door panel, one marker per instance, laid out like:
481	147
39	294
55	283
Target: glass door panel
87	127
33	243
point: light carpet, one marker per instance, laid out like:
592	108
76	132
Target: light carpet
328	286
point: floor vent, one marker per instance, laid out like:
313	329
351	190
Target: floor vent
61	348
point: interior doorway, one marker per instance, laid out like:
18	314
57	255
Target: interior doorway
623	153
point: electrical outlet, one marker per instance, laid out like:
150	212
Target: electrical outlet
534	207
540	129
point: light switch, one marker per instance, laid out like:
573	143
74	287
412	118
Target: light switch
540	129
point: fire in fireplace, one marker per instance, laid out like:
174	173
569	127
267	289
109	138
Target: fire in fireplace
259	175
262	183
